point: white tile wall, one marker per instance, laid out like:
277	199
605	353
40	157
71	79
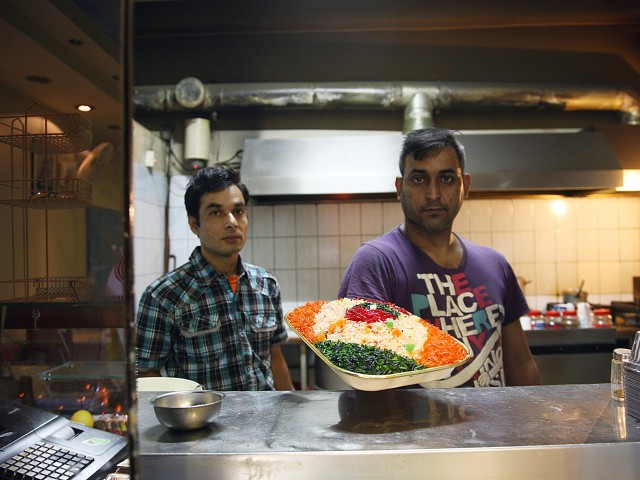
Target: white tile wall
149	198
552	243
308	246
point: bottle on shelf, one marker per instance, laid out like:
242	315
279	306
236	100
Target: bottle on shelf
537	320
570	319
620	355
553	319
602	318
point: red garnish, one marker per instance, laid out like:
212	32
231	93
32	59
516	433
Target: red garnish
357	313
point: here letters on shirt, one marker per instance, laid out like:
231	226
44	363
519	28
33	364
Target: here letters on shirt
466	312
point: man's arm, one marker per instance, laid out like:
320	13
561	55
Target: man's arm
281	375
519	366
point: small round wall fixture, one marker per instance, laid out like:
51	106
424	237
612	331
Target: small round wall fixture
190	92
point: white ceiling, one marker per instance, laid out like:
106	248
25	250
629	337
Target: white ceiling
588	42
491	41
59	41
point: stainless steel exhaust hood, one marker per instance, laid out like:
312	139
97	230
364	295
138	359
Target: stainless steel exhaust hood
575	163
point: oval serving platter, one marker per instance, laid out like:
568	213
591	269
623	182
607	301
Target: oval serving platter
372	383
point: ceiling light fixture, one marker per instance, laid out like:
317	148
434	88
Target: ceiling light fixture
75	41
84	107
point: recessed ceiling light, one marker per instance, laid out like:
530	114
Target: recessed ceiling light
75	41
38	79
84	108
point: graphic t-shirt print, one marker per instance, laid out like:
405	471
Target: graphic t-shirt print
468	313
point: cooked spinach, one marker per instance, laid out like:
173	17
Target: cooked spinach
366	359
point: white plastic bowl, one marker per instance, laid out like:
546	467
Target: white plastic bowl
165	384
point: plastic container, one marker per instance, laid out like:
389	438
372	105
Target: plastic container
553	319
620	355
525	321
585	315
602	318
537	320
570	319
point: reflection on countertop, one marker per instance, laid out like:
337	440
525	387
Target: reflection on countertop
577	429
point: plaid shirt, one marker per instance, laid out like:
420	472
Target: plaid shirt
190	322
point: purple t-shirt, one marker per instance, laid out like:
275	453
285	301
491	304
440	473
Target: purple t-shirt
472	302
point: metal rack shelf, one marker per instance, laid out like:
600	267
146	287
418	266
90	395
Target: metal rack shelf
38	314
52	289
43	133
59	194
36	140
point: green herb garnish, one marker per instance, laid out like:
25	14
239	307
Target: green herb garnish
366	359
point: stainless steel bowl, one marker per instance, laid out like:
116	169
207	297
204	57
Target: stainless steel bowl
188	410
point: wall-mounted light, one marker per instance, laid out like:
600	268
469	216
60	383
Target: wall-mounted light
631	181
559	208
84	107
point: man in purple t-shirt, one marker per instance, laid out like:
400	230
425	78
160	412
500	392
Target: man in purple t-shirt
467	290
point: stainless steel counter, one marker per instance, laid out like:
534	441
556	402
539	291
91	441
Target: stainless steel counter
560	432
575	355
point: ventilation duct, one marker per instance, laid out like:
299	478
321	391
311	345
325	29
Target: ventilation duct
417	99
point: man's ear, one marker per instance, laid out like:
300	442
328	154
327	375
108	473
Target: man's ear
466	184
194	225
399	187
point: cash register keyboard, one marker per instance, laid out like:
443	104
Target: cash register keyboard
44	461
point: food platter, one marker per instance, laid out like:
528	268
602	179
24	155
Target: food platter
373	383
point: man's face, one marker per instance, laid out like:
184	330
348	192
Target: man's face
223	223
432	190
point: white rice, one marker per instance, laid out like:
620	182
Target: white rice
377	333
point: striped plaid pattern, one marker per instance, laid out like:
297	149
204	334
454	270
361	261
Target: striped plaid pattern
190	322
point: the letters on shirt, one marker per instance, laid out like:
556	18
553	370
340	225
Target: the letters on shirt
465	311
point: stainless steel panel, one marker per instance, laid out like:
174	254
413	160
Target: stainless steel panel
560	432
321	165
368	164
571	337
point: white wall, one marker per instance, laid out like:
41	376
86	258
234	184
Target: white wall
308	246
149	200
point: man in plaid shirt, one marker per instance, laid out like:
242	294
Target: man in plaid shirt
216	319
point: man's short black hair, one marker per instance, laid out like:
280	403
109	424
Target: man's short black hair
211	179
428	142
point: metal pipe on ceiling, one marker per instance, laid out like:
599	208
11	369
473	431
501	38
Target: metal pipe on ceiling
419	99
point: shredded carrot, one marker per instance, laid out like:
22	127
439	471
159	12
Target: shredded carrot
303	318
440	348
